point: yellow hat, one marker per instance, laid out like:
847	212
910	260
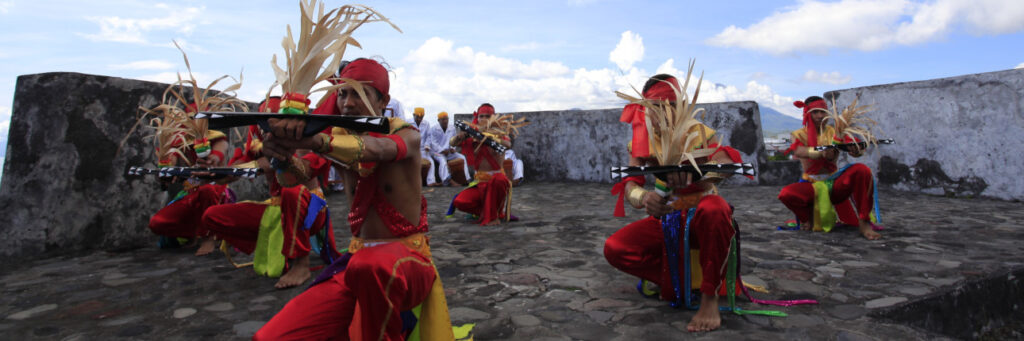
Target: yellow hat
417	111
441	115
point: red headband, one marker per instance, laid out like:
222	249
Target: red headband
663	90
812	131
271	104
368	70
483	109
808	107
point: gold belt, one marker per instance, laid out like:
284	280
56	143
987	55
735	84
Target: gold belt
417	242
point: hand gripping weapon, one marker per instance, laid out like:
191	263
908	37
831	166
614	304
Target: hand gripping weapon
847	147
476	134
314	124
661	171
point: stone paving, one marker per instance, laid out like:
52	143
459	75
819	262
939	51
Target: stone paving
545	278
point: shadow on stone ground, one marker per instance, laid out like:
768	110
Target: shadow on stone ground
545	277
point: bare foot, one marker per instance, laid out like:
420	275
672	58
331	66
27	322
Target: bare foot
867	231
298	274
707	317
806	226
206	245
493	222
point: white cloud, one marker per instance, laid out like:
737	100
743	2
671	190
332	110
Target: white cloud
826	77
870	25
629	50
144	65
5	7
530	46
1020	66
131	30
711	92
440	76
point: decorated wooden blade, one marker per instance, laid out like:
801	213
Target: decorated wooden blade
660	171
846	147
476	134
314	123
185	172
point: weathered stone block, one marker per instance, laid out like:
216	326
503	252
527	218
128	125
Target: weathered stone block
582	145
960	135
63	185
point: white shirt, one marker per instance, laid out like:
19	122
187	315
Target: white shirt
396	110
439	140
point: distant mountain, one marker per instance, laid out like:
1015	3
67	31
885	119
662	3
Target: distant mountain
774	122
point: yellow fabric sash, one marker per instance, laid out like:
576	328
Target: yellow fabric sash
434	320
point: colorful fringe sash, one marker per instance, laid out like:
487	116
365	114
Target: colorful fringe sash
683	289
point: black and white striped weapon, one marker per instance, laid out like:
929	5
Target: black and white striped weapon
186	172
476	134
846	147
662	171
314	123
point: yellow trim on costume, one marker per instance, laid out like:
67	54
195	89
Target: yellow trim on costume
387	289
824	137
212	135
417	242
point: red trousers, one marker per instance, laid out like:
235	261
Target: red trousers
183	218
486	199
854	184
239	224
639	248
378	283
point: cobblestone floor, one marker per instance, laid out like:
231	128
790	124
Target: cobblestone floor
545	278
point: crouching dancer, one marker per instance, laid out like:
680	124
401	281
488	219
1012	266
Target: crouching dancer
387	272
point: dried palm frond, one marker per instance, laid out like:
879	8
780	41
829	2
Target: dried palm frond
176	129
672	126
224	100
502	125
172	131
322	36
852	122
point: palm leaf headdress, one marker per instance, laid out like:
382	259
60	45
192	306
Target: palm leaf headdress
671	125
852	122
173	120
321	37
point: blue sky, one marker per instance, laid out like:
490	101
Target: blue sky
533	55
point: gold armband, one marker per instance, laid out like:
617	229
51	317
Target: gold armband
346	148
814	154
636	196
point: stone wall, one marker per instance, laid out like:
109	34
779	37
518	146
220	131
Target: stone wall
63	186
958	136
582	145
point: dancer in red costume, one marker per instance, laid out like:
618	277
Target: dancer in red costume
841	186
388	269
181	218
639	248
488	195
285	222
